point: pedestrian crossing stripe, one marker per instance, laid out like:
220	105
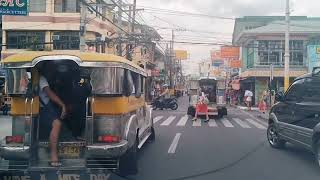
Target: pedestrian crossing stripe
226	122
212	123
258	125
229	123
156	119
168	121
183	120
196	123
241	123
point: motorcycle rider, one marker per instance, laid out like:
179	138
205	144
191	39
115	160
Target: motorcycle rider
165	95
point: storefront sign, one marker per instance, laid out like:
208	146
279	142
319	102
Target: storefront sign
230	52
235	64
14	7
181	55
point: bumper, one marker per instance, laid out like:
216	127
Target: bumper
14	152
107	150
209	113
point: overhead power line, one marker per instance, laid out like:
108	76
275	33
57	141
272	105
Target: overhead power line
174	12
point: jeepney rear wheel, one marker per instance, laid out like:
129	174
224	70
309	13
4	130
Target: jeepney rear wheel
128	164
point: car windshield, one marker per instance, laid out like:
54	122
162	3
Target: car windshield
160	89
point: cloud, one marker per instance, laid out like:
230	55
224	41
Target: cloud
221	29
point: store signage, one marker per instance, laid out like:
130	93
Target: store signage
14	7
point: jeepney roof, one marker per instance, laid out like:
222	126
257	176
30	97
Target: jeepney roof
29	56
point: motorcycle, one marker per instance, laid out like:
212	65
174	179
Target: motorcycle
170	103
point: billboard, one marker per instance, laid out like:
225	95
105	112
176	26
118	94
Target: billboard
230	52
14	7
181	54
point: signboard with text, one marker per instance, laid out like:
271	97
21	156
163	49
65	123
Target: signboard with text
14	7
230	52
181	54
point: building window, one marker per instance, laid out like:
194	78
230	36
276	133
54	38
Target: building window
66	6
272	52
68	40
37	5
25	40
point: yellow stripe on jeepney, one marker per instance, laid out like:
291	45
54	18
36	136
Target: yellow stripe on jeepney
18	106
117	105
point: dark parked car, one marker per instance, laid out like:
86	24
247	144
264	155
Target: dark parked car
296	116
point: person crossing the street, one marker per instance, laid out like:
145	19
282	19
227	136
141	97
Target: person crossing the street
202	106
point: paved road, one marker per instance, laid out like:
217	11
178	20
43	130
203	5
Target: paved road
226	149
231	148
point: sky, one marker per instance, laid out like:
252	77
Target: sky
209	29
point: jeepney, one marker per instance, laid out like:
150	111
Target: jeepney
214	89
114	120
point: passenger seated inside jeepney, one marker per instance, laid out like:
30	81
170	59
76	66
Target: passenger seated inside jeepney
72	88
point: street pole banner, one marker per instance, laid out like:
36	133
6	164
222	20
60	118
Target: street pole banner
14	7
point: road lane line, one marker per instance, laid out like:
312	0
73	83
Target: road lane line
241	123
174	144
183	120
212	123
226	122
156	119
196	123
258	125
168	121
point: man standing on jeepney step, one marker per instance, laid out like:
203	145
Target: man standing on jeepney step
52	112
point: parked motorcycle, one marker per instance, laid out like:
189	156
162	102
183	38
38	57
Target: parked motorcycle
170	103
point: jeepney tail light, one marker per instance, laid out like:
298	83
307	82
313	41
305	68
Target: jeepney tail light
14	139
109	139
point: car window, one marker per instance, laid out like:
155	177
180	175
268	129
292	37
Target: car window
295	91
311	91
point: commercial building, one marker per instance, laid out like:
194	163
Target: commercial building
262	42
54	25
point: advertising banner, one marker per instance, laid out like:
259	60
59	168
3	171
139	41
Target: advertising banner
14	7
230	52
181	54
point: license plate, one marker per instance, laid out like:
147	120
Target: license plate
69	151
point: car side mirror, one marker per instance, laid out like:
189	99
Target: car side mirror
280	97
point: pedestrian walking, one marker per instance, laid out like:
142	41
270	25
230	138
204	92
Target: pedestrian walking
263	102
248	98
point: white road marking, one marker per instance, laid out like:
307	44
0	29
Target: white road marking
212	123
183	120
156	119
241	123
253	117
226	122
174	144
258	125
168	121
196	123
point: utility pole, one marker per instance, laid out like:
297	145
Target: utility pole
287	47
83	29
133	15
171	59
120	25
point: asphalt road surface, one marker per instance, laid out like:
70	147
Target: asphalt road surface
234	147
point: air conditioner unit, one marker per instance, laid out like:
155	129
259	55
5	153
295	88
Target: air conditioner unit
55	37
